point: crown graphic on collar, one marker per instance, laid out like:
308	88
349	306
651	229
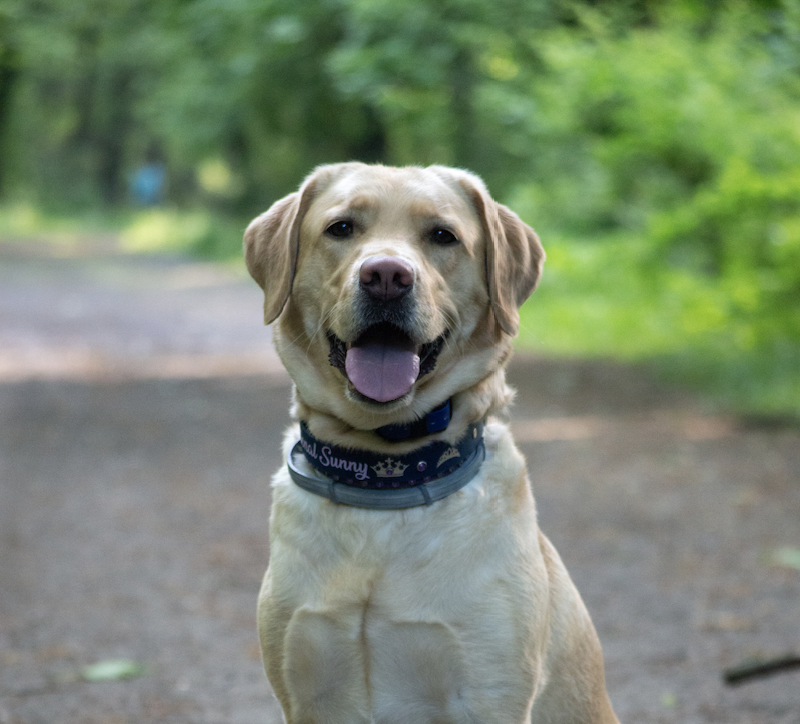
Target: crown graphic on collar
448	454
389	468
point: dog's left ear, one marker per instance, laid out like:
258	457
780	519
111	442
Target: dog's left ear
514	255
271	246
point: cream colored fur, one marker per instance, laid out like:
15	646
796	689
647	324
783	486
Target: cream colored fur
460	612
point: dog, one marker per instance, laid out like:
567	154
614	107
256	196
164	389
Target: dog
408	581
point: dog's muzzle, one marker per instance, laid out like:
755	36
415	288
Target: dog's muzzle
384	361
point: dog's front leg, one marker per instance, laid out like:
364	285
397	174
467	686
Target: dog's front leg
315	662
325	670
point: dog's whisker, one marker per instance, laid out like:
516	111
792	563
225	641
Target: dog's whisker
322	325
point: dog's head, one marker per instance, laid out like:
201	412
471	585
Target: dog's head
395	288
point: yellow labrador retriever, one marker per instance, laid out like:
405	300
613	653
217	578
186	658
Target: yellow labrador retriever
408	580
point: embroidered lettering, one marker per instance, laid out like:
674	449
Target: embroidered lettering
309	448
359	470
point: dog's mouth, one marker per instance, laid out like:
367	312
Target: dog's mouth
383	362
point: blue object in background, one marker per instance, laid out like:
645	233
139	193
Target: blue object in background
147	184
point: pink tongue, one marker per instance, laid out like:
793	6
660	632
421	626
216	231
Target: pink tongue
380	372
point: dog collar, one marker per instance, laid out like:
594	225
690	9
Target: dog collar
366	479
435	421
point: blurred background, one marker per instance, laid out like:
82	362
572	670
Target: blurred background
655	146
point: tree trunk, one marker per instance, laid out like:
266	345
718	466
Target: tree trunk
111	141
9	72
462	89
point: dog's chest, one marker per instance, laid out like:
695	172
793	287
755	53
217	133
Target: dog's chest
416	609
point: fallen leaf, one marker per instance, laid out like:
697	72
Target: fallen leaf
786	557
112	670
724	621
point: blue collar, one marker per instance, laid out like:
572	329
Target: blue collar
378	471
366	479
435	421
387	499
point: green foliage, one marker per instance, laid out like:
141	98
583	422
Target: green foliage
643	120
171	230
73	119
654	145
669	183
432	71
609	299
269	87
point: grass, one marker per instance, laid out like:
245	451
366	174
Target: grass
197	232
156	230
607	299
23	220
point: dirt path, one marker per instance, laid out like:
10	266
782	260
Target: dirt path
141	409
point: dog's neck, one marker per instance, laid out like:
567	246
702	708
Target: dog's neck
423	465
489	396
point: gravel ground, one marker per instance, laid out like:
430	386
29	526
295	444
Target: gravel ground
141	408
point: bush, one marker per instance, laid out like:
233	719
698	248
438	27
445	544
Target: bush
668	188
172	230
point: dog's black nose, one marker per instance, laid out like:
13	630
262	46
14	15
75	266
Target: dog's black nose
386	277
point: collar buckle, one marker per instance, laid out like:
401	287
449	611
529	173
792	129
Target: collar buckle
435	421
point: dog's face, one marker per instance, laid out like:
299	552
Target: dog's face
395	287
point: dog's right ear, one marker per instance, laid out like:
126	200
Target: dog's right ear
271	246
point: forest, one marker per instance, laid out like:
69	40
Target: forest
655	146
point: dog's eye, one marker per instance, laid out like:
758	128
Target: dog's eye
443	237
341	229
